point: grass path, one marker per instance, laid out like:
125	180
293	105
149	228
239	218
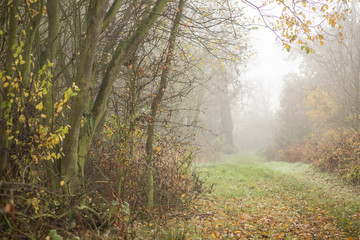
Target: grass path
256	199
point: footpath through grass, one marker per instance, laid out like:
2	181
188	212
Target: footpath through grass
256	199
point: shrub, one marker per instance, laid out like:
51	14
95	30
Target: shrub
292	153
118	180
335	151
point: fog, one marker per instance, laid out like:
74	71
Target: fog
292	92
263	78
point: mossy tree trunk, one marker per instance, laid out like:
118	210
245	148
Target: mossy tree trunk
53	12
32	29
69	164
11	41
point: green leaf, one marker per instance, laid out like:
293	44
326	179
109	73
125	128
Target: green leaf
66	130
54	236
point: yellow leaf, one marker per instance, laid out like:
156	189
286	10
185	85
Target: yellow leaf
183	195
50	64
6	84
36	160
43	116
40	106
22	118
56	140
62	183
213	236
59	109
44	11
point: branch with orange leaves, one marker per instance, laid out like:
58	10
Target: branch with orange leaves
304	21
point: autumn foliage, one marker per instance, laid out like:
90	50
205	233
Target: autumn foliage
337	152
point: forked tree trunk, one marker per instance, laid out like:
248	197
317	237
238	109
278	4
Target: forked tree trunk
69	164
122	53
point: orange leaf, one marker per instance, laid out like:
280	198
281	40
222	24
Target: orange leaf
7	208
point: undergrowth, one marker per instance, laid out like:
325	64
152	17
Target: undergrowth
335	151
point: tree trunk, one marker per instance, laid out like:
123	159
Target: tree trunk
122	53
71	173
149	188
32	28
12	31
226	124
53	12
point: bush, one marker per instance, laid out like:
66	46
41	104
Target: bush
341	156
117	180
335	151
292	153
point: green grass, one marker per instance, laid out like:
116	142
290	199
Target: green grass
256	199
297	186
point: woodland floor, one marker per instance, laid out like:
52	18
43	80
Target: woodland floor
257	199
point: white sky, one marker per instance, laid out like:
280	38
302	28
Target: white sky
267	68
